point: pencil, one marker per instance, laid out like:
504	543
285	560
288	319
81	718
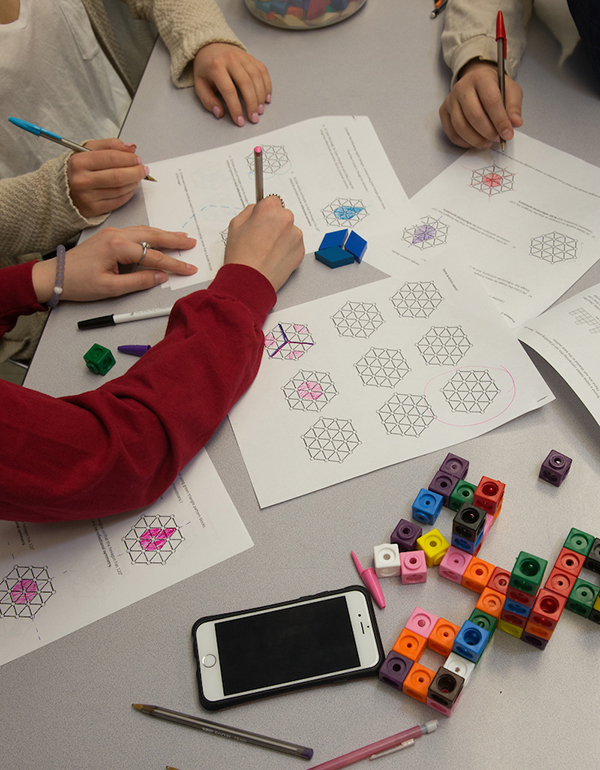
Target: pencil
258	173
237	734
501	46
38	131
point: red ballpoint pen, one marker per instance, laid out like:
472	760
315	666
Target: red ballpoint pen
501	45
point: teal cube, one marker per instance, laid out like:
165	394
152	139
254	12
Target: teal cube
99	359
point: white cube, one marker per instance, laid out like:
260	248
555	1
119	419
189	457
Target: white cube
387	560
459	665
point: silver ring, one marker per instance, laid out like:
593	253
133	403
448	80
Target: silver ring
145	246
274	195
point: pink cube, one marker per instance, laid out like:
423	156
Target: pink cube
421	622
413	567
454	564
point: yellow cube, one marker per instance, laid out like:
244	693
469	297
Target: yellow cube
509	628
434	545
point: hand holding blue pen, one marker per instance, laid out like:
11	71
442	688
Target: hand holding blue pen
102	176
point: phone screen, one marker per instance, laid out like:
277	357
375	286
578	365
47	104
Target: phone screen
286	645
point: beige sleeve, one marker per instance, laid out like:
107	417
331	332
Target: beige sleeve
470	32
38	213
185	26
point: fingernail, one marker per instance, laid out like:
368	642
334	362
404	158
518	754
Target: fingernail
261	109
129	145
193	268
140	161
160	277
241	122
268	99
146	170
217	111
507	133
254	117
487	146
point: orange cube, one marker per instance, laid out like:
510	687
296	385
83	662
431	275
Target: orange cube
410	645
491	602
477	575
417	682
442	637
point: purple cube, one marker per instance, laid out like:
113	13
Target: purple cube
443	483
455	465
555	468
394	669
405	535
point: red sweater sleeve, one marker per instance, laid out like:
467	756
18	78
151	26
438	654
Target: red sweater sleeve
119	447
17	296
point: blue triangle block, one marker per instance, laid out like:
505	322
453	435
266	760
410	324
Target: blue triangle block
334	257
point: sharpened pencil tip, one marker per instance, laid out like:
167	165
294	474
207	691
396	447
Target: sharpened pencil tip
137	706
150	178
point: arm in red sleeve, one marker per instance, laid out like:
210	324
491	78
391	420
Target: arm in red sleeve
17	296
119	447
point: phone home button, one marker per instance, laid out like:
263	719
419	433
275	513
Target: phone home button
208	661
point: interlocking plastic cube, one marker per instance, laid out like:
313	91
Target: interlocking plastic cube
443	484
527	573
520	597
509	628
455	465
560	582
534	641
499	580
595	613
394	669
417	682
454	564
462	493
421	622
489	495
483	620
467	545
99	359
434	545
405	535
582	598
579	541
413	567
459	665
442	637
387	560
477	575
547	609
469	522
410	644
426	507
491	602
471	641
445	691
555	468
592	561
516	608
539	631
570	561
515	620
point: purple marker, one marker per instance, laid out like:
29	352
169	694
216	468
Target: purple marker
134	350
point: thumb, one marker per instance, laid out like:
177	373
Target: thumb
514	102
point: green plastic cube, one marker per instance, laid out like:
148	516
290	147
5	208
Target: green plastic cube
527	573
582	597
99	359
484	620
579	541
462	493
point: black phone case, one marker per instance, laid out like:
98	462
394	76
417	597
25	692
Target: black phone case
277	690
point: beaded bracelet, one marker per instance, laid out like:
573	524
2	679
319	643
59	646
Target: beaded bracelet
60	276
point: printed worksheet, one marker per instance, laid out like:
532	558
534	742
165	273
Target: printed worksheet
526	220
566	337
376	375
332	172
56	578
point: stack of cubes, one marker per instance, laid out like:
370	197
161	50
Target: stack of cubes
521	595
461	647
580	551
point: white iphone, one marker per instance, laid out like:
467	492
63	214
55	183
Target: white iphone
245	655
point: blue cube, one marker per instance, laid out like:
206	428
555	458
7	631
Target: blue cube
471	640
427	506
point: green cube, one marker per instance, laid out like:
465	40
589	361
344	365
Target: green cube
582	597
484	620
99	359
527	573
579	541
462	493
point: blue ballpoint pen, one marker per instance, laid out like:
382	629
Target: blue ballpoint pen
38	131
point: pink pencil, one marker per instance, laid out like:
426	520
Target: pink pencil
378	746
